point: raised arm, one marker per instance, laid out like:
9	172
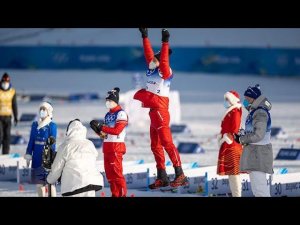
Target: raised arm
148	51
164	65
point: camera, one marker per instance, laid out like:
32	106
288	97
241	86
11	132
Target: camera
48	154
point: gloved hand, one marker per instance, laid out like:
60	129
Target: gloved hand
96	126
28	158
144	32
16	121
237	138
165	35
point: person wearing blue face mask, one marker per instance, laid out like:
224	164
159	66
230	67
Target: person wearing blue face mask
257	156
229	150
41	130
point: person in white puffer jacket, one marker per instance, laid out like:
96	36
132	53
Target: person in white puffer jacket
75	163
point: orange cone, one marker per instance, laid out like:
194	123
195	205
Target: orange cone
102	194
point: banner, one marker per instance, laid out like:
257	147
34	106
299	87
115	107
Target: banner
259	61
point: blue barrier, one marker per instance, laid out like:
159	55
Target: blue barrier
189	147
15	155
180	128
83	97
288	154
260	61
278	132
28	117
17	140
141	161
97	142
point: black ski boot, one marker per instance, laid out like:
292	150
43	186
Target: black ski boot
162	180
180	178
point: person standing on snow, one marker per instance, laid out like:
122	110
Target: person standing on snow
75	163
41	130
113	130
257	156
8	106
156	97
230	151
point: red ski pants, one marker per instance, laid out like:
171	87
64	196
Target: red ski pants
113	157
161	138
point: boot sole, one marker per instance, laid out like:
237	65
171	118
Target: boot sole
186	183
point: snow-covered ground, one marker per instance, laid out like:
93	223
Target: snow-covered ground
201	109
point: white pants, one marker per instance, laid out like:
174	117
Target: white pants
42	190
259	184
85	194
235	185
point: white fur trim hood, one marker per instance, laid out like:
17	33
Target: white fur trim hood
48	107
232	98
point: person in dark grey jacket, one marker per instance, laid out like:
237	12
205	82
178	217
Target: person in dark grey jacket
257	156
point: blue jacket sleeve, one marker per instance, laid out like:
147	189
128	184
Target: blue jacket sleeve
53	133
30	145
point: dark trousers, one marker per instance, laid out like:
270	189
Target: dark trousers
5	127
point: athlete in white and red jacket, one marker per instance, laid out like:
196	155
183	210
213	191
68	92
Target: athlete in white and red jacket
156	97
114	147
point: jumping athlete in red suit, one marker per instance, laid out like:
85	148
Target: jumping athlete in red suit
156	97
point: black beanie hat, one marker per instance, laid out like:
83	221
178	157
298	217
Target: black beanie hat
157	55
5	77
253	92
113	95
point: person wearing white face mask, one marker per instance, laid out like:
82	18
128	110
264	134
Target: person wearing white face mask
8	106
41	130
114	126
155	96
229	150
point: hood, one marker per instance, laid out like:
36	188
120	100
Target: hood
76	130
49	108
263	102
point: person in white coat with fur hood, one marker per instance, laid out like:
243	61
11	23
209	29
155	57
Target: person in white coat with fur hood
75	163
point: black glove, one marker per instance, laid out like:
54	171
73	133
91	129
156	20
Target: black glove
165	35
237	138
144	32
16	121
96	125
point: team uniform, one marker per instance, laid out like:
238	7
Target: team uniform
114	148
156	97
